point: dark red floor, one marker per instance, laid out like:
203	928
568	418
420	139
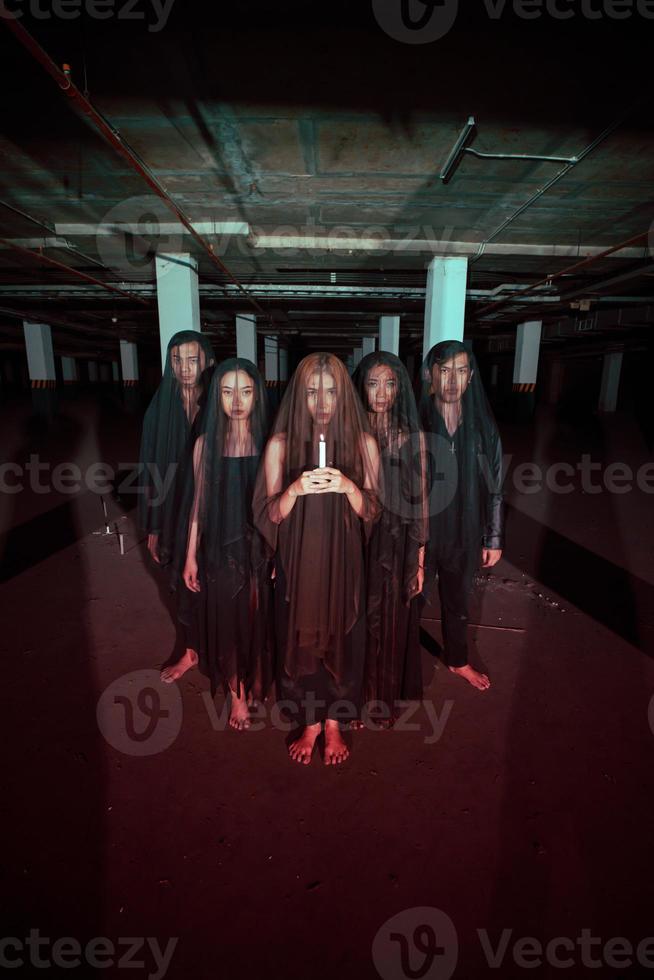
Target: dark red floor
522	812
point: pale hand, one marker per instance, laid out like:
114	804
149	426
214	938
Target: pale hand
333	481
153	547
490	556
420	579
311	481
190	575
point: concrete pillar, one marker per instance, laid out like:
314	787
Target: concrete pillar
411	367
40	355
493	377
69	370
93	371
178	296
105	373
368	345
611	369
246	336
129	361
115	372
357	354
349	363
271	355
41	367
389	334
445	300
525	364
525	367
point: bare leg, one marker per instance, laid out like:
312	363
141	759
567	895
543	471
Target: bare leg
336	751
301	749
474	677
173	673
239	714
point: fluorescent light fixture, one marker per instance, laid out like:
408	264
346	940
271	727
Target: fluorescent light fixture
457	151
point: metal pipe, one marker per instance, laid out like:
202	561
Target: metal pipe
519	156
113	137
550	183
39	317
563	272
52	230
68	268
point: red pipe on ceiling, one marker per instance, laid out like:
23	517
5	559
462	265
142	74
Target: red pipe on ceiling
113	137
563	272
42	257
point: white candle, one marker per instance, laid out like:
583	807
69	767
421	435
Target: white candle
322	452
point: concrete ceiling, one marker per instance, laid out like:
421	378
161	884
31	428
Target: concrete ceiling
308	154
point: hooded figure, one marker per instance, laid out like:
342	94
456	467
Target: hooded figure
317	497
166	443
396	549
167	432
224	560
465	503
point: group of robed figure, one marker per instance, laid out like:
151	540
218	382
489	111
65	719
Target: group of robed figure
300	546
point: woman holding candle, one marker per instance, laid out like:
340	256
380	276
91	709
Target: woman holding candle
225	561
396	549
315	518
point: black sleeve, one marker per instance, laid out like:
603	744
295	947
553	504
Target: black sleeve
491	488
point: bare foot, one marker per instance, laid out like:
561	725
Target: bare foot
301	749
188	659
474	677
239	712
336	751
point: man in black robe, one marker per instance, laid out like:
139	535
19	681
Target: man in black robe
465	506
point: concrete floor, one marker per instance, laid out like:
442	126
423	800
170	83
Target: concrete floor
521	812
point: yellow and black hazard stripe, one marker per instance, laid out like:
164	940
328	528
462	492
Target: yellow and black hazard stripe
43	383
524	386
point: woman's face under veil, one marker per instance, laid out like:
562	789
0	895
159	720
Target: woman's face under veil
381	388
188	363
237	395
322	397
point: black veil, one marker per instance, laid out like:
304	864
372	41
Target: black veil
215	525
319	544
393	670
167	427
465	504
